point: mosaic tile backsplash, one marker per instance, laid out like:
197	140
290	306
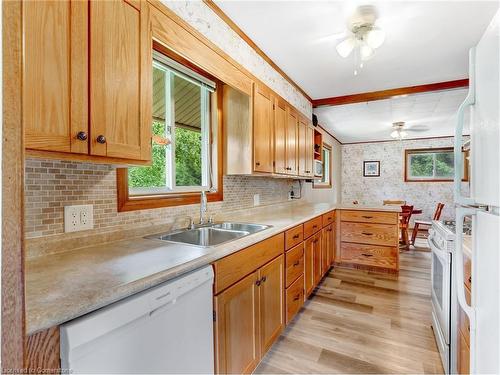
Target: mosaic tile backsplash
52	184
391	184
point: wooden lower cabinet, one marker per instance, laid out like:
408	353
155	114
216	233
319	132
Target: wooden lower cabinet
272	286
327	251
312	263
463	351
248	318
237	315
294	298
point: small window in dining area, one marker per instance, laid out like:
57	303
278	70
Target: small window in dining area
432	165
326	179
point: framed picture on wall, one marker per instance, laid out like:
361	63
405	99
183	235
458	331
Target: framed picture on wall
371	168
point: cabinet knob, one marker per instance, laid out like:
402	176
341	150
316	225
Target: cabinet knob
296	263
263	279
296	298
82	136
257	282
257	163
101	139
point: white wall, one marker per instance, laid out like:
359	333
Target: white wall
332	195
391	184
203	19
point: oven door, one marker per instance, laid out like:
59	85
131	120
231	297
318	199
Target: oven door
441	287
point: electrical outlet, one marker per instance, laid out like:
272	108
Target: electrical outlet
256	199
79	217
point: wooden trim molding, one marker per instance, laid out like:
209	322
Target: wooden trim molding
390	93
13	315
431	150
219	12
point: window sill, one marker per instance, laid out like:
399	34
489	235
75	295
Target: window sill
146	202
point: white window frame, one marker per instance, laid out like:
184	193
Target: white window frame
172	68
433	151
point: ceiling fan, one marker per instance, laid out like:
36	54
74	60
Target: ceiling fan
400	131
364	37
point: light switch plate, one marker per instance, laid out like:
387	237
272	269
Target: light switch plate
256	199
79	217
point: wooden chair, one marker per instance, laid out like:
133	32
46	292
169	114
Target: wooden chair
404	222
427	224
395	202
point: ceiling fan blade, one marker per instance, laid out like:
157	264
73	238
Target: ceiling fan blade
418	128
331	37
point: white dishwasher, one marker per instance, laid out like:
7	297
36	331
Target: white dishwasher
166	329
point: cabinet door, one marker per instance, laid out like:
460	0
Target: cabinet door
262	129
237	327
271	292
309	265
280	123
328	244
317	258
291	142
309	153
55	75
303	144
120	79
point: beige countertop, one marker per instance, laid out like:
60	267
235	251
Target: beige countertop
66	285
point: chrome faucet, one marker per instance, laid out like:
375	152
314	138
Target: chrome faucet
203	206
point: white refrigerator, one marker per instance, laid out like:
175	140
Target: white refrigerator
482	203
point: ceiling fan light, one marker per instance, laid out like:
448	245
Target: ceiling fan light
345	47
395	134
375	37
366	52
403	134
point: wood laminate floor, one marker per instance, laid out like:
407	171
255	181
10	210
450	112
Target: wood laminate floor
362	322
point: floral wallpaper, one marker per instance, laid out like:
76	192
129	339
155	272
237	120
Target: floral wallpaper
391	184
203	19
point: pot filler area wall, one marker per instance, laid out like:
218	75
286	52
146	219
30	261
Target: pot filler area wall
391	184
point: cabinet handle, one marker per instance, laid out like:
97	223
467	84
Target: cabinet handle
263	279
82	136
367	255
257	163
367	233
367	217
470	279
296	236
296	298
101	139
296	263
258	282
315	226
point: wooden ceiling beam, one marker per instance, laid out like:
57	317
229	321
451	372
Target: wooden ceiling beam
391	93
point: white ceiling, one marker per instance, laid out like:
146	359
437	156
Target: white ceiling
431	113
426	41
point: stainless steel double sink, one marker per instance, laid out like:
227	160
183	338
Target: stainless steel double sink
211	234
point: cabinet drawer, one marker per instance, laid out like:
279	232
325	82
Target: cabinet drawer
294	236
312	226
467	272
328	218
369	216
369	255
236	266
463	320
294	263
373	234
294	298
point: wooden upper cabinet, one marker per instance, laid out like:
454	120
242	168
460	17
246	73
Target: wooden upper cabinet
291	141
309	151
263	117
237	327
120	79
272	286
280	125
55	75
